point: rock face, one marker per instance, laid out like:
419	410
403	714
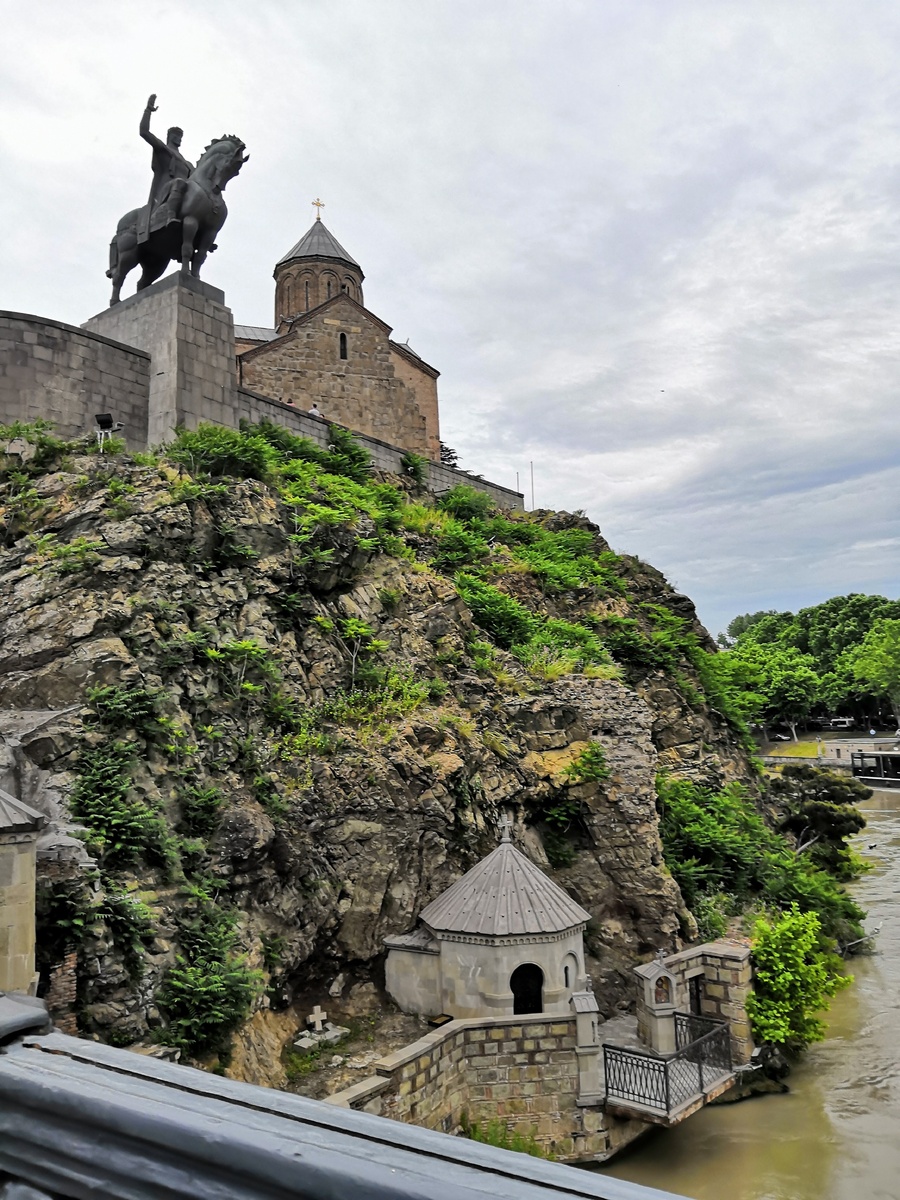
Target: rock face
330	820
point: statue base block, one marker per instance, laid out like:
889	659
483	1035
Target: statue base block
186	328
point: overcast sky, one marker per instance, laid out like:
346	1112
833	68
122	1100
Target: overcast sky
653	246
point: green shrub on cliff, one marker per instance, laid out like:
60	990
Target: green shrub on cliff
209	990
795	977
215	450
716	842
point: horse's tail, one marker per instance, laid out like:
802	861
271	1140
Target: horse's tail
113	257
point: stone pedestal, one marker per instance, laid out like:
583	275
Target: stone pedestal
186	328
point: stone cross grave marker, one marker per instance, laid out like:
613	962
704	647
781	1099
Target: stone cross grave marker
317	1018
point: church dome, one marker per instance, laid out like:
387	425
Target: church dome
313	271
505	895
319	242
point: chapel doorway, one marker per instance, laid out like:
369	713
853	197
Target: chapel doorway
527	986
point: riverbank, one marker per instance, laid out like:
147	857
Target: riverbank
834	1136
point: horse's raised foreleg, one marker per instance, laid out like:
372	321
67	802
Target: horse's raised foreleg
189	228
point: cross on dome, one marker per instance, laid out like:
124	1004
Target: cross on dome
319	205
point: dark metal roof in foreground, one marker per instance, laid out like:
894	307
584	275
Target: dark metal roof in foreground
504	895
16	817
93	1122
319	242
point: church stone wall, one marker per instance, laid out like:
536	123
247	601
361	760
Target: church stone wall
361	392
423	385
59	373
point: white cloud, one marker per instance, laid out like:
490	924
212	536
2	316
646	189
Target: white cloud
653	248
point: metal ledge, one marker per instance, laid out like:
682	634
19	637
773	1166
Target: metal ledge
86	1121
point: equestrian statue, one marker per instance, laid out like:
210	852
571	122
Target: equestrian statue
185	210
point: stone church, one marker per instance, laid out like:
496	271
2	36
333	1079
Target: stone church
327	348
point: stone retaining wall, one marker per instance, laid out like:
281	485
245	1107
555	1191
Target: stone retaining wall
521	1070
67	375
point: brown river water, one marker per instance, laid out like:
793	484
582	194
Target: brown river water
836	1135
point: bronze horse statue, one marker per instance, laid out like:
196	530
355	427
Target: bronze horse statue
183	225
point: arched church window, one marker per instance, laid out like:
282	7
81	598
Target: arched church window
306	288
527	986
327	289
566	976
343	342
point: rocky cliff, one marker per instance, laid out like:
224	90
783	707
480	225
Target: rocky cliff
271	717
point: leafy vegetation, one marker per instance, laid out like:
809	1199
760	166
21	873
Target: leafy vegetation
716	844
840	656
726	859
210	989
795	976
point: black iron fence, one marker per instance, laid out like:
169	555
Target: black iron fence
668	1082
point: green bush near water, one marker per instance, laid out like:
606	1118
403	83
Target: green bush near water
497	1133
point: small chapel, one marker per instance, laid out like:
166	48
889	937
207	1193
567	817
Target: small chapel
327	349
503	940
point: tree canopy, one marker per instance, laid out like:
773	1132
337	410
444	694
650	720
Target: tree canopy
838	656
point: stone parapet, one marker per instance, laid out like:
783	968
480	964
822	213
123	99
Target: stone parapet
522	1070
55	372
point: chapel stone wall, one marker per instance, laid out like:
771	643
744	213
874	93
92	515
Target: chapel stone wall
17	882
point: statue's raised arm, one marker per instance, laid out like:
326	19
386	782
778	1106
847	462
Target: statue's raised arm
154	141
168	163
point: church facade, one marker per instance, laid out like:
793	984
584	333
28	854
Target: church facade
326	348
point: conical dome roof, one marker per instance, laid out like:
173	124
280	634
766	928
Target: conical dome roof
16	817
504	895
319	242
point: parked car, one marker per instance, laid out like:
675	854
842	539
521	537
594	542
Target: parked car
841	723
781	737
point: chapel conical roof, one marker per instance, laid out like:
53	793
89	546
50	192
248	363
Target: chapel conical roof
319	242
16	817
504	895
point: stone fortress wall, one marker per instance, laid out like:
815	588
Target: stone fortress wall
161	359
63	374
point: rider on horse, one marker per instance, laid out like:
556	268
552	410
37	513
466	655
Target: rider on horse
170	170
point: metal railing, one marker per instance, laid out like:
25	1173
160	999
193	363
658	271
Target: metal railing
667	1082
